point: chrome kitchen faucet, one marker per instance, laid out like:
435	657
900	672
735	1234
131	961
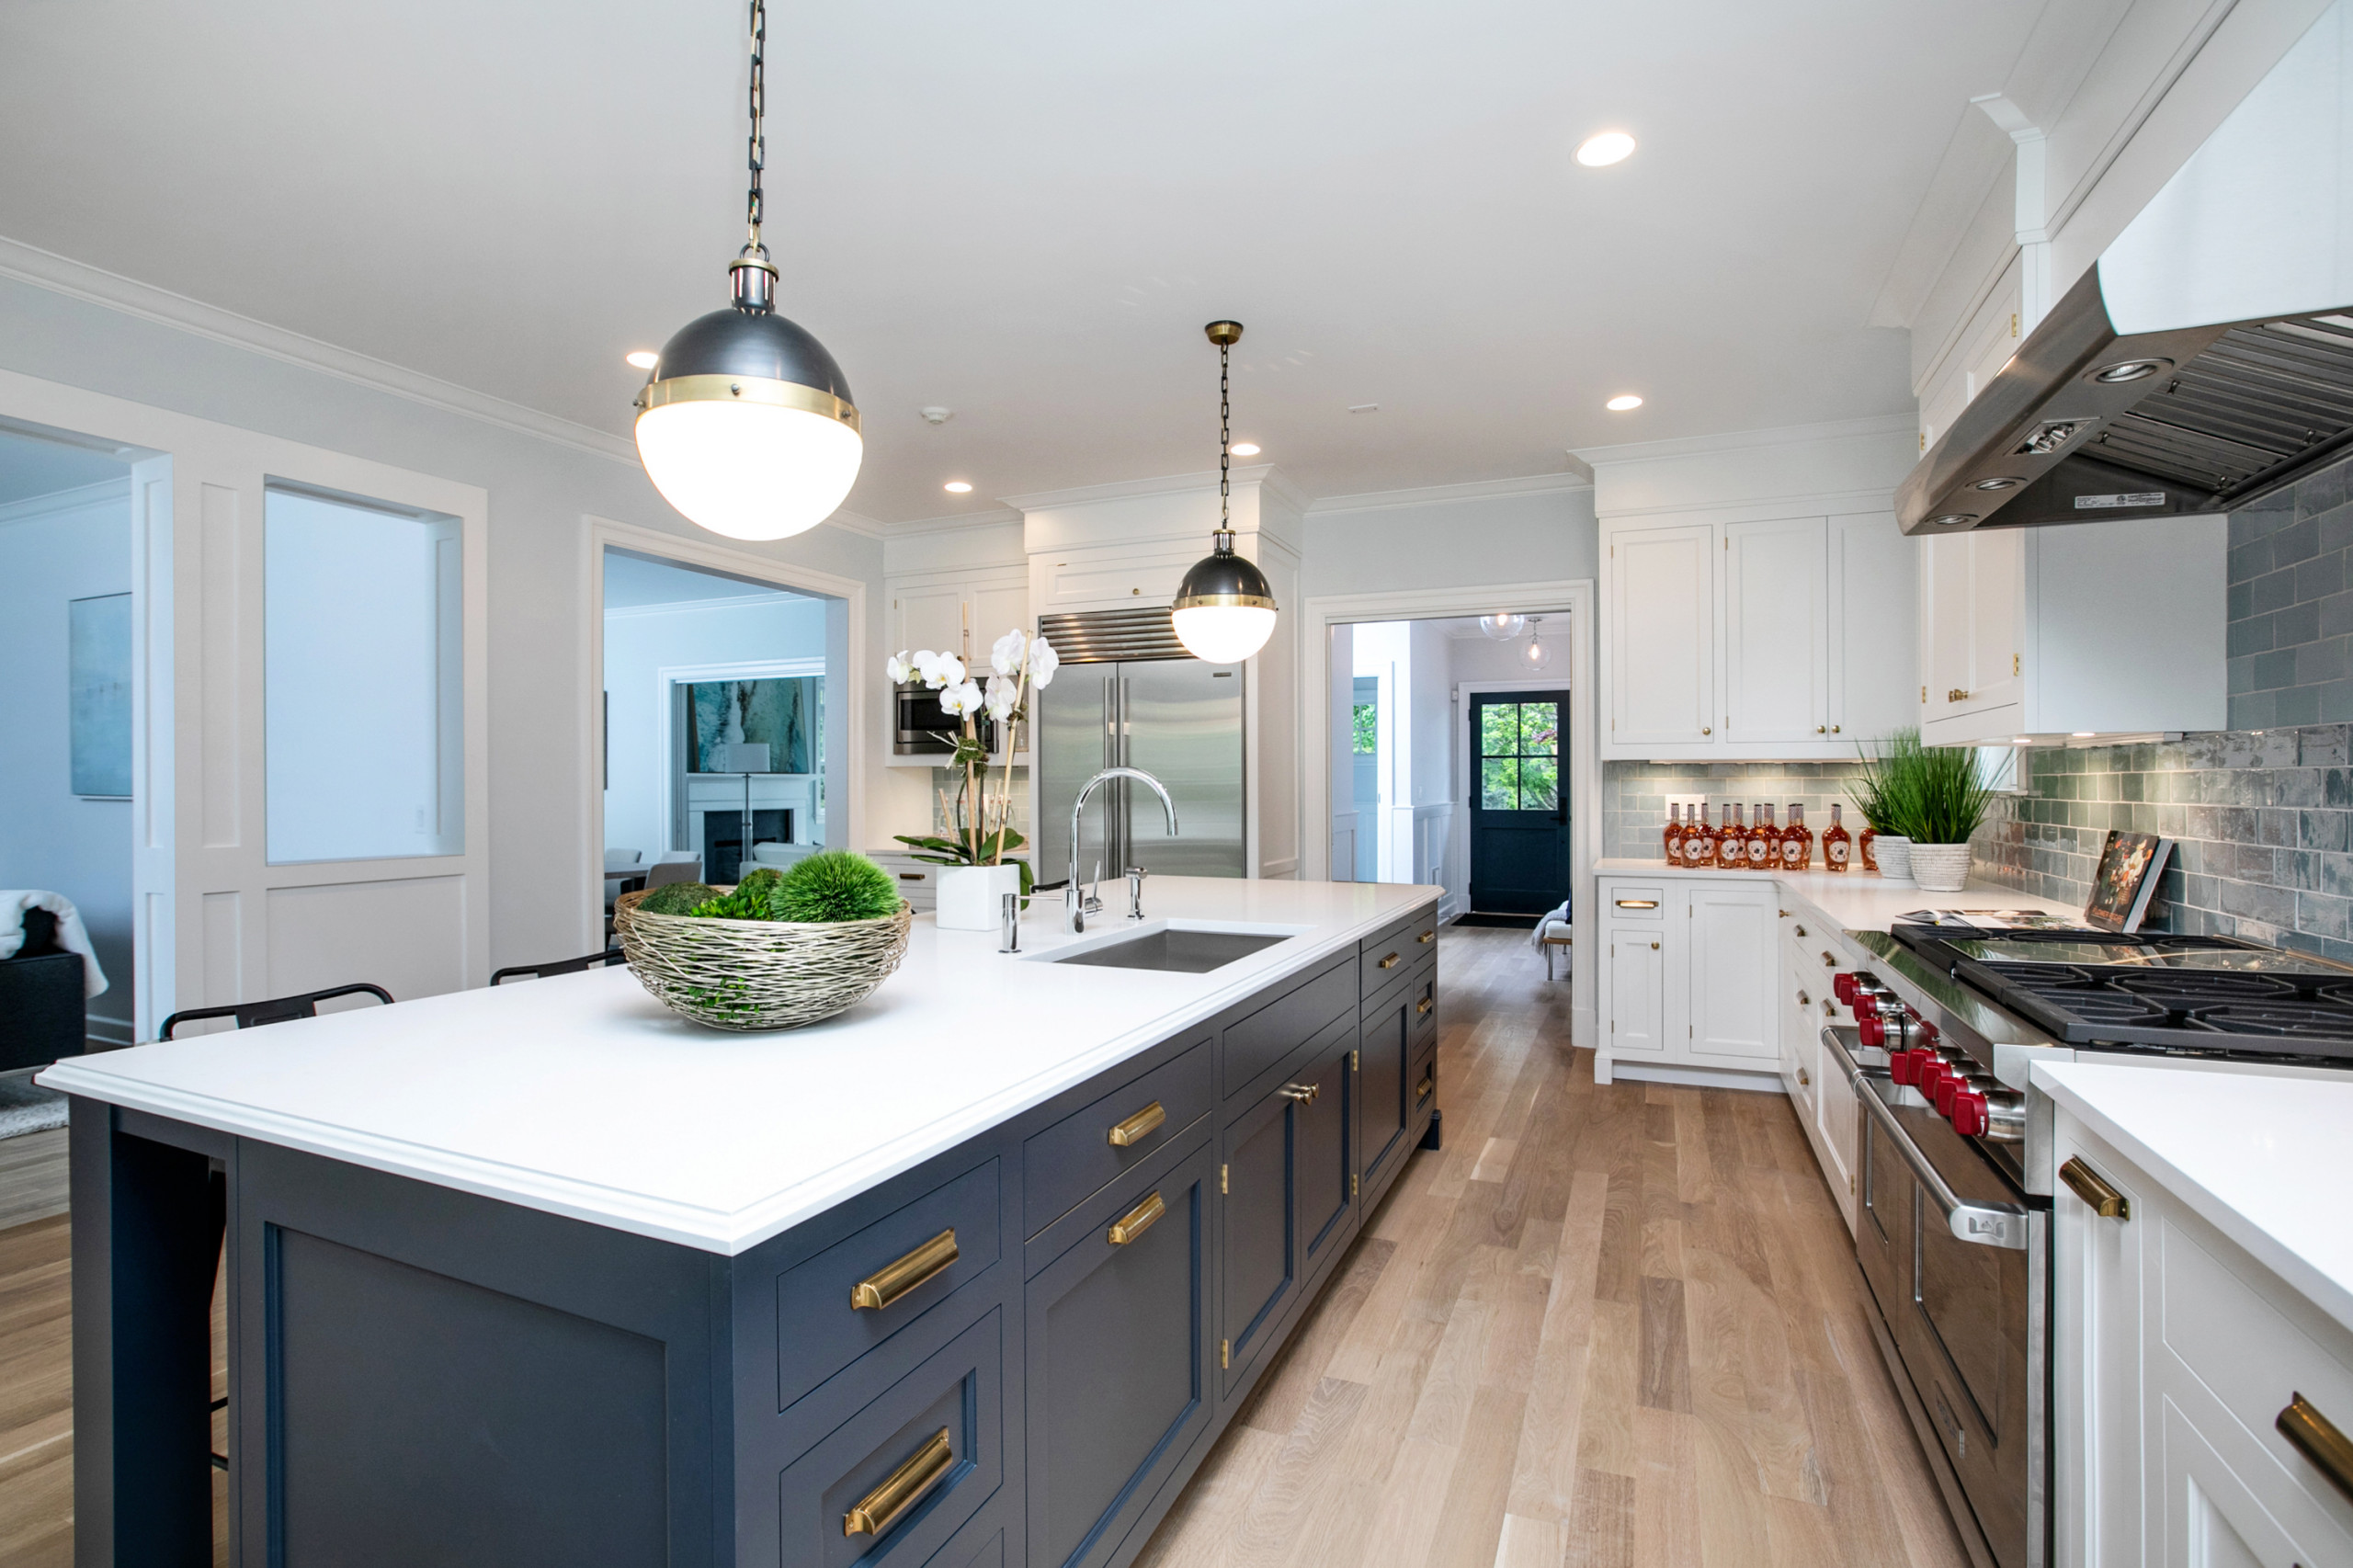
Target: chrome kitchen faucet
1077	903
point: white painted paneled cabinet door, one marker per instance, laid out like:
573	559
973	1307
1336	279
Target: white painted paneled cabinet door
1636	1007
1733	971
1874	588
1970	596
1662	635
1776	631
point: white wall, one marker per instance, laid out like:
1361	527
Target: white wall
1463	536
639	643
542	489
52	550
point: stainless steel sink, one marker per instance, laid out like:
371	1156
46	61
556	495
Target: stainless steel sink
1177	948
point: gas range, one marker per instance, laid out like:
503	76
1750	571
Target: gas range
1956	1167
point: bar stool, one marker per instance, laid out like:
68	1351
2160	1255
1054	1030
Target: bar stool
559	966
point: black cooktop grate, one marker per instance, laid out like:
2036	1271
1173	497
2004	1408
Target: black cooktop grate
2289	1013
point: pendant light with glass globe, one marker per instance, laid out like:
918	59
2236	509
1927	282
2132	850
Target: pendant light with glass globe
1503	626
1534	655
1225	608
745	424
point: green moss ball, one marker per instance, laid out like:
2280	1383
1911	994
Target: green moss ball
835	885
677	898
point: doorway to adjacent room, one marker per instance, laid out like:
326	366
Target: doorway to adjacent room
1519	755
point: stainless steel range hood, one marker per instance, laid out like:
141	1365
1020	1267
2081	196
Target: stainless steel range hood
2207	358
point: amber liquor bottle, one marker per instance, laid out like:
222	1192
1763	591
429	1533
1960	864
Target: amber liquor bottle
1674	838
1764	840
1797	843
1863	842
1731	842
1699	838
1834	842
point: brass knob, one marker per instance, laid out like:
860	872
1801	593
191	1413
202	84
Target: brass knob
1819	730
1956	695
1653	946
1836	728
1300	1094
1706	730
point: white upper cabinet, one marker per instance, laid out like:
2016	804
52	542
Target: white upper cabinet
1777	636
2085	629
1871	577
1660	647
929	618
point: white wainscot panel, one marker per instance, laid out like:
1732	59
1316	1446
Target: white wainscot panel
408	937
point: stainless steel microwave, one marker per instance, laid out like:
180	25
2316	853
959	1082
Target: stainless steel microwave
919	727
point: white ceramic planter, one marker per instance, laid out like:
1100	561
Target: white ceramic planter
1895	857
1940	867
971	898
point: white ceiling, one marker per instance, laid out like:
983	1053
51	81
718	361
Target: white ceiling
633	582
30	467
1026	211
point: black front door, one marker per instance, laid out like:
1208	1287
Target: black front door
1519	801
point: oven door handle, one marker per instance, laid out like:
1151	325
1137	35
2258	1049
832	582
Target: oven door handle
1986	1224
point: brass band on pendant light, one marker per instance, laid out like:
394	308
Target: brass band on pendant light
745	424
1225	610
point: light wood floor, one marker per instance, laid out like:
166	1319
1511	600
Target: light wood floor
1603	1328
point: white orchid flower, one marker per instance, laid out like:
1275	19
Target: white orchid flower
940	670
961	697
1005	657
1002	694
1043	663
902	668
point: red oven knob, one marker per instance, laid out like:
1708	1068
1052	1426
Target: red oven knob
1971	1114
1927	1072
1926	1031
1842	985
1872	1032
1901	1065
1865	1004
1948	1088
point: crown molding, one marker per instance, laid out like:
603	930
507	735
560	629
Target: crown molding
729	601
1128	489
1477	490
847	520
917	528
59	501
62	274
1903	424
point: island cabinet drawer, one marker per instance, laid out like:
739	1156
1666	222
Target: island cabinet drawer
834	1307
893	1483
1121	1366
1388	953
1255	1047
1113	1134
1417	987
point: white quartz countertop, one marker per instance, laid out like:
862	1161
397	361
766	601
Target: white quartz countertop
1855	900
583	1096
2263	1159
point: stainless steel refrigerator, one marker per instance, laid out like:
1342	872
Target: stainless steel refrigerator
1175	717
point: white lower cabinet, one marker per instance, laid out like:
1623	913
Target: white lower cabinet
1688	979
1819	1092
2174	1354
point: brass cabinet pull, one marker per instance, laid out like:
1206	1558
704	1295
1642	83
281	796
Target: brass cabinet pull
1653	946
2316	1437
1422	1090
885	1285
1133	1131
1137	1221
1302	1094
1829	962
911	876
1427	937
2086	1184
1835	729
1802	1079
1829	1008
1799	930
1422	1010
1821	729
1804	1000
880	1508
1956	695
1783	914
1706	730
1388	963
1638	903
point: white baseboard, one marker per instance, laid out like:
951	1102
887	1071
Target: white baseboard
1695	1078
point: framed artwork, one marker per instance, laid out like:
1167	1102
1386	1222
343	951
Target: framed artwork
98	679
753	726
2129	866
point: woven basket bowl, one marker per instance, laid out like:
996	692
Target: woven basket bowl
758	974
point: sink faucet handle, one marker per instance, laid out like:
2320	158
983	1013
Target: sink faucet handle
1136	874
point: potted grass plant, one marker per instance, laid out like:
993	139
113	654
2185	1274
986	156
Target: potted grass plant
1933	796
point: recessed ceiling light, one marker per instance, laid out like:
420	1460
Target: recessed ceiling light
1606	148
957	487
2129	371
1622	401
645	358
1246	449
1999	481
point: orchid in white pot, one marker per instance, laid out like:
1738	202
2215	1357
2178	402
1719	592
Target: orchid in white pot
980	822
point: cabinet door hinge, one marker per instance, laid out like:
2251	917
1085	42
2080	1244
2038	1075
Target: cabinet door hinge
1225	1353
1850	1187
1352	1184
1924	694
2013	324
1353	1065
2016	668
1222	1171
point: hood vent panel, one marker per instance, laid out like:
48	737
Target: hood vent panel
2244	409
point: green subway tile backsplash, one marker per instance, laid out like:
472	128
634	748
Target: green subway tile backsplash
1633	796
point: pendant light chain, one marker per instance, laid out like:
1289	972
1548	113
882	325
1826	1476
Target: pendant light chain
758	151
1224	442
